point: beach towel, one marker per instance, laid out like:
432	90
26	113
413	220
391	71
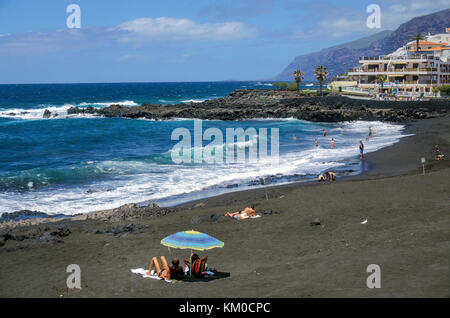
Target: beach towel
143	273
243	216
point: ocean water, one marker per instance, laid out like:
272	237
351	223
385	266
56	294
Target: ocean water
77	164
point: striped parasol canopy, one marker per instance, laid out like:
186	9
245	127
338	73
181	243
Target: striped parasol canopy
191	240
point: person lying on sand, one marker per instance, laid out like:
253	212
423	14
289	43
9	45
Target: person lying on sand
321	177
330	176
164	271
244	214
198	265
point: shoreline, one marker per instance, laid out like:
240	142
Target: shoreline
36	216
378	165
375	166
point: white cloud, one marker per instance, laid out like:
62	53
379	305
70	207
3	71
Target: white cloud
149	29
396	12
140	32
342	21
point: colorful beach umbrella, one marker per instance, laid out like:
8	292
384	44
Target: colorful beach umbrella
192	240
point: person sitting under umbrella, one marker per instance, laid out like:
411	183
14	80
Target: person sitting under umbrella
198	265
164	271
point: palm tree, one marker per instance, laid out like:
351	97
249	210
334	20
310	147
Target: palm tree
321	74
435	90
298	76
417	38
381	79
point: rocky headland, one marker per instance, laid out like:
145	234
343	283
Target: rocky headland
249	104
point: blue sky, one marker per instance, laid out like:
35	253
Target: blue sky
179	40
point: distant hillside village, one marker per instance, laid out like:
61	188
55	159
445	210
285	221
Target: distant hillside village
420	68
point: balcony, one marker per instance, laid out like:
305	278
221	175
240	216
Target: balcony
367	89
420	82
395	71
408	57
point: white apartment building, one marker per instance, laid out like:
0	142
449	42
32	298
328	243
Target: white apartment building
409	71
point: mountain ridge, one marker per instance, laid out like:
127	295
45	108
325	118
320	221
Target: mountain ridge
339	58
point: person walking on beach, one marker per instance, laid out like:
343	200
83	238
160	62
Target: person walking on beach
361	149
332	143
316	143
439	155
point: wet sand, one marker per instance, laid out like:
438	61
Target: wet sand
280	254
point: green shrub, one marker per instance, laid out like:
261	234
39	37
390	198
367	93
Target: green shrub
292	87
445	89
281	85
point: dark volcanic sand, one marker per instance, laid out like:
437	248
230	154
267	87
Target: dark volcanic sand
278	255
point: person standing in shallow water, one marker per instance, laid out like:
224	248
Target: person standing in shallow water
316	143
370	134
332	143
361	149
324	132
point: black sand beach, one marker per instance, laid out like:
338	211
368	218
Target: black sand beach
280	254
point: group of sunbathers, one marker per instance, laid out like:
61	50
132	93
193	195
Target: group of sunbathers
164	271
330	176
175	271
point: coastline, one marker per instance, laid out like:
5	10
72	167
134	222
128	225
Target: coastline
138	158
27	216
391	161
263	104
375	165
407	234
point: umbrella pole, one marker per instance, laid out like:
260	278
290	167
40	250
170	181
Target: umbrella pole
190	267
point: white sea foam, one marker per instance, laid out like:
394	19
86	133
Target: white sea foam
137	181
57	112
193	101
264	84
106	104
